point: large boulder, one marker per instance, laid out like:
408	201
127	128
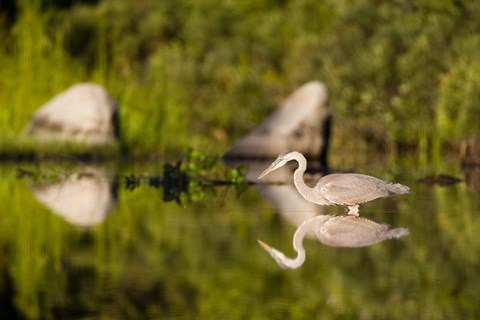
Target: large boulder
84	113
301	123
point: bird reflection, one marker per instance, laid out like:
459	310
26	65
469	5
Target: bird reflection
335	231
344	189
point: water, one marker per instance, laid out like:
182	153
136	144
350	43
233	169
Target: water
75	242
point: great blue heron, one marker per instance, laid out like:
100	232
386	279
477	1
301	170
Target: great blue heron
344	189
335	231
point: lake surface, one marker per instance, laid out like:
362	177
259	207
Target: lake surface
93	242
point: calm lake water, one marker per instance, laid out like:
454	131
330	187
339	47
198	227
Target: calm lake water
96	242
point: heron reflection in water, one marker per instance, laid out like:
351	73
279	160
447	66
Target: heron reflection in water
335	231
343	189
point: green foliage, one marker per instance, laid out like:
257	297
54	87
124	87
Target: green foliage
457	115
192	179
201	73
387	65
205	172
210	167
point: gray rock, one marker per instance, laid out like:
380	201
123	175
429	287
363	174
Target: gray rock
84	113
302	123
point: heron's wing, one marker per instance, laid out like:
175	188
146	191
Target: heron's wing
351	189
350	231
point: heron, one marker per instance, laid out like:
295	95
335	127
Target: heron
343	189
335	231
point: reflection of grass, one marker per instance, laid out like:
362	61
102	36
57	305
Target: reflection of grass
161	260
33	240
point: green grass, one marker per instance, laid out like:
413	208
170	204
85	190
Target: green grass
201	74
24	148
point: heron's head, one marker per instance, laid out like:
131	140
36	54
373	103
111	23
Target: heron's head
279	257
281	160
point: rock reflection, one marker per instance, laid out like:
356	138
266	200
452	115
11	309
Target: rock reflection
83	199
335	231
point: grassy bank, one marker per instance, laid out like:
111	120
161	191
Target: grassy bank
201	74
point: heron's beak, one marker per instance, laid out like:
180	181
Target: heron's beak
264	245
264	173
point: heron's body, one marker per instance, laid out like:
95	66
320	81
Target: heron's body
335	231
343	189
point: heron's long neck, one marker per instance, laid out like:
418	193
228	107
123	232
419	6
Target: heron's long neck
302	187
298	246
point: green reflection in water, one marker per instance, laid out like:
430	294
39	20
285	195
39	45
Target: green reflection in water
151	259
